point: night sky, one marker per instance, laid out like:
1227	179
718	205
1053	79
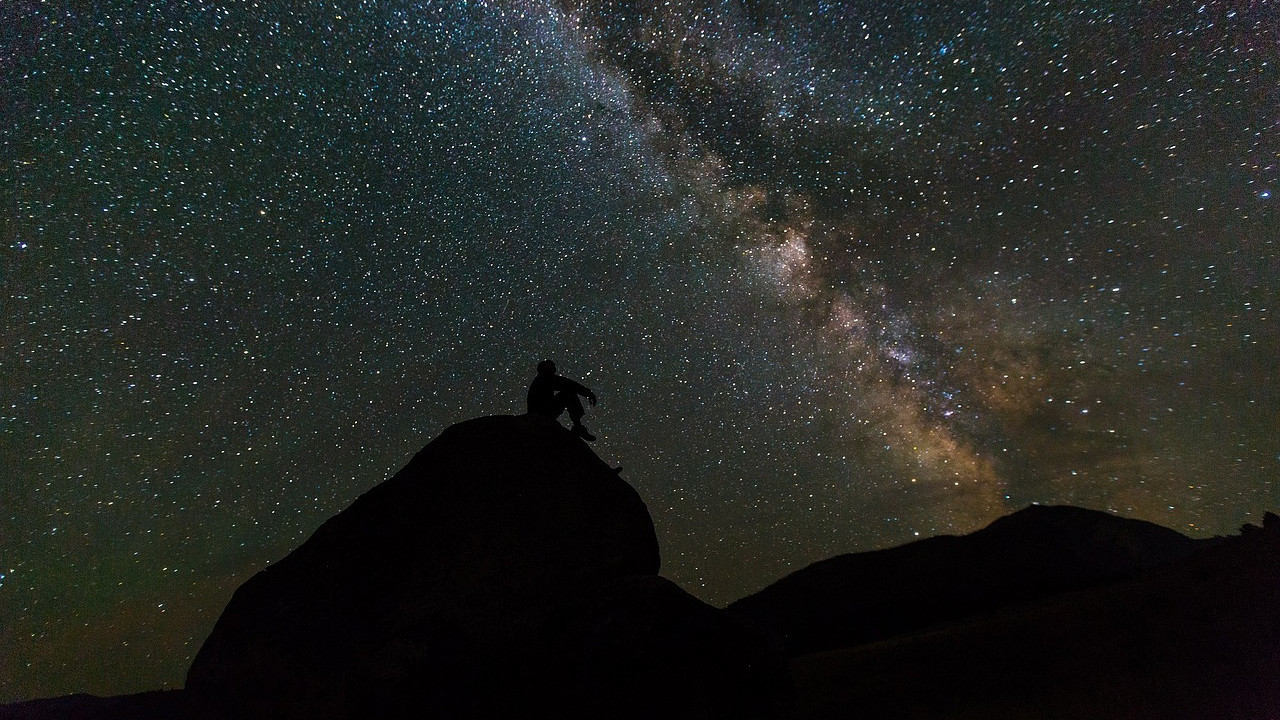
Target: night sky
843	275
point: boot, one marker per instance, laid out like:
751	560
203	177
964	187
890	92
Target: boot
581	431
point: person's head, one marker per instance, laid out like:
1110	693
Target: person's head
546	367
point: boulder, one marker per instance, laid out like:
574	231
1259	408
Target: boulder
490	576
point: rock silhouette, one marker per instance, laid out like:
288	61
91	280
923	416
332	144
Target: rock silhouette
506	570
1037	552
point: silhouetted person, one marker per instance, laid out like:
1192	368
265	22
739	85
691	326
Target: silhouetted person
551	394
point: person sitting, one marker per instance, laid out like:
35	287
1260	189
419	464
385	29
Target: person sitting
551	394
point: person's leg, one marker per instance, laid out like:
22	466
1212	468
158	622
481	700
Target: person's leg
560	402
569	401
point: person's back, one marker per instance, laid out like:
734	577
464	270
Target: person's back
542	395
551	394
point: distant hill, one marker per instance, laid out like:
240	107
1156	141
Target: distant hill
1037	552
1195	638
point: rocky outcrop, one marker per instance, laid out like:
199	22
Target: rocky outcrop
505	570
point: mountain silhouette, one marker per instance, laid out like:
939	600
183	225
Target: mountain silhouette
1039	551
507	571
1195	637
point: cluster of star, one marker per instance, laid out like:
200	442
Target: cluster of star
843	274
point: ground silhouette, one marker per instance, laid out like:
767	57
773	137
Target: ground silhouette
507	571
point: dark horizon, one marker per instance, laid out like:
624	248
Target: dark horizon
843	275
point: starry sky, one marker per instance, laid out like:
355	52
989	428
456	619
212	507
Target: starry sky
843	275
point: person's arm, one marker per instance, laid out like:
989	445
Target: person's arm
577	387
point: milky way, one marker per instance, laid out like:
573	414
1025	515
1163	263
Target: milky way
842	274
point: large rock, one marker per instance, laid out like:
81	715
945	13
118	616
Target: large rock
506	569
